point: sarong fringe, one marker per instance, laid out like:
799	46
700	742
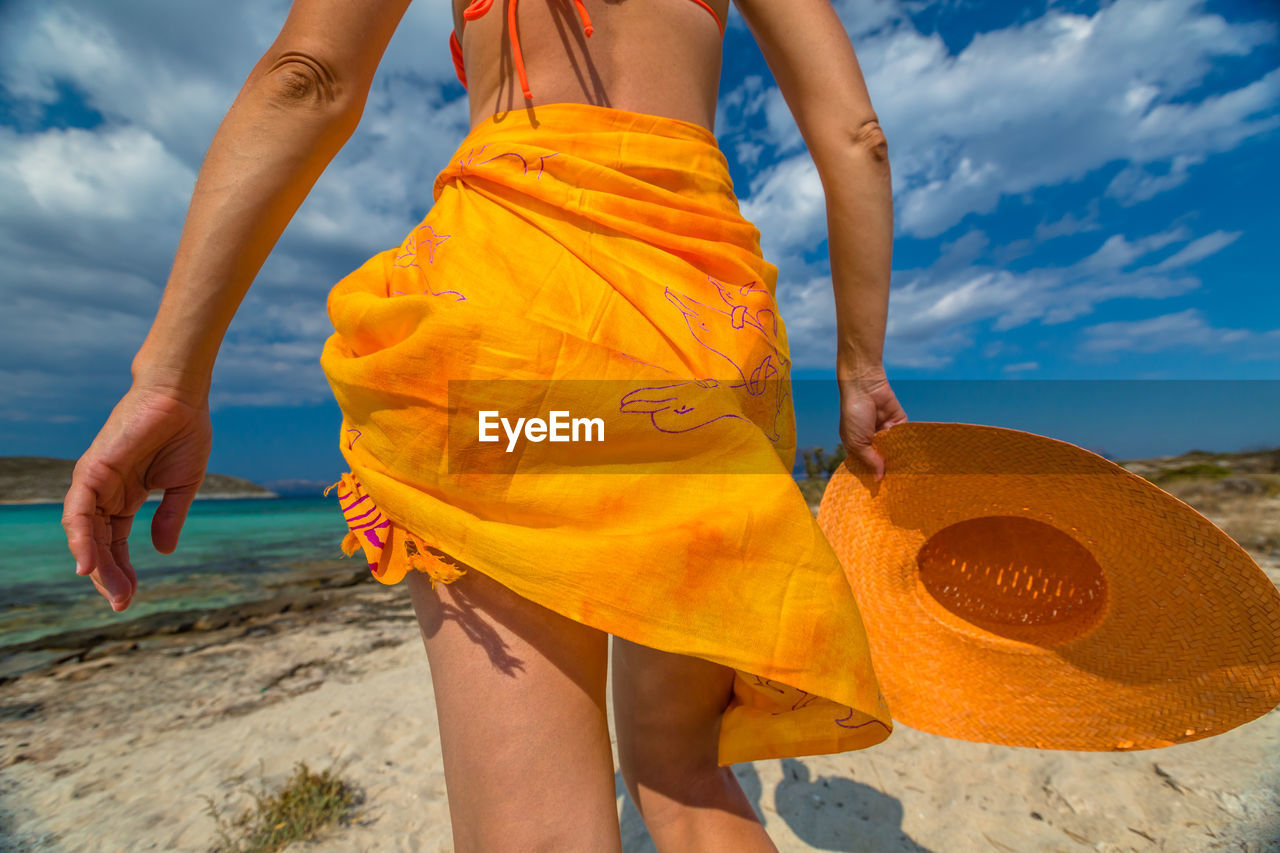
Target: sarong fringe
386	543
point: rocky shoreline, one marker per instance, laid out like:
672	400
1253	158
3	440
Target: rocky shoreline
313	588
154	497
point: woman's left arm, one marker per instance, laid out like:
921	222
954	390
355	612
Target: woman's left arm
298	107
300	104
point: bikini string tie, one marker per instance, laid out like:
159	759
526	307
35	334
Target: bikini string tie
478	8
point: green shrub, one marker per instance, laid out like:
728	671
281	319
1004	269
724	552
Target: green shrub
1196	470
818	466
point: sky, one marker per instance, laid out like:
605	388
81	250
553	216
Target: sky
1085	216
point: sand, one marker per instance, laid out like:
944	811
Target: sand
115	746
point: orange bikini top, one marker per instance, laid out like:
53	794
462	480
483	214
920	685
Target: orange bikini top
477	9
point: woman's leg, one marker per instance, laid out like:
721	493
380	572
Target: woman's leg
520	696
667	710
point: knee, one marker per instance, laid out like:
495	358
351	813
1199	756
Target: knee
668	799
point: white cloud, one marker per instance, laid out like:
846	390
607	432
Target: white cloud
788	205
121	174
936	312
863	17
1134	183
130	79
1182	329
1067	225
1198	249
1118	251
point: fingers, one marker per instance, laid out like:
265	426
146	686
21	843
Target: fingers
117	603
873	460
861	447
108	577
867	455
120	527
89	538
169	517
78	510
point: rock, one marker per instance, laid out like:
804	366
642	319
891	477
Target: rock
107	649
1241	485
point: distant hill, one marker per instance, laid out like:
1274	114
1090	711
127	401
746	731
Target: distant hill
297	488
45	479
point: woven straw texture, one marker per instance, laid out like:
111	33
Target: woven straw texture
1020	590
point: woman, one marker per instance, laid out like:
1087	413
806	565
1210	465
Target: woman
530	765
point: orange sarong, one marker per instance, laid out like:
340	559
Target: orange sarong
594	261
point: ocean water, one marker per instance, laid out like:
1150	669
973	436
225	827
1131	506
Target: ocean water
229	551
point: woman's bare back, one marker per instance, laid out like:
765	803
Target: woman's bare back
651	56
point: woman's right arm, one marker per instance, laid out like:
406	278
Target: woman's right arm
813	62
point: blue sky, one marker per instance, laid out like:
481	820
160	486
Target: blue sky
1084	194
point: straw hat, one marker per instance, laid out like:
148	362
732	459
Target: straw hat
1021	590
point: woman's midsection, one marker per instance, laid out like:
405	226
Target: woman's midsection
650	56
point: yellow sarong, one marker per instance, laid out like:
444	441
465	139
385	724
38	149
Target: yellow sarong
594	261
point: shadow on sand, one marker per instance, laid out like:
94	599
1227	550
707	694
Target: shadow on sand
825	813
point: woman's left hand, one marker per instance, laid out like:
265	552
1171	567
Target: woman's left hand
154	439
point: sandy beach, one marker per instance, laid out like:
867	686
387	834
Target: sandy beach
112	743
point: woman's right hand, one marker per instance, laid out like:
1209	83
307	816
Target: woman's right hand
867	405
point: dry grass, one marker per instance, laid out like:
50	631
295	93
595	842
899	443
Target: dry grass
812	490
1246	508
306	804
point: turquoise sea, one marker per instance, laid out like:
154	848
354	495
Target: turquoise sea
229	551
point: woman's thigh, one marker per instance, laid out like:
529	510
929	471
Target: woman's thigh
667	711
520	697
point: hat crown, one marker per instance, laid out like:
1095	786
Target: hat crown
1016	577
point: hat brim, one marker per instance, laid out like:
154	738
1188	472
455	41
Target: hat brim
1020	590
